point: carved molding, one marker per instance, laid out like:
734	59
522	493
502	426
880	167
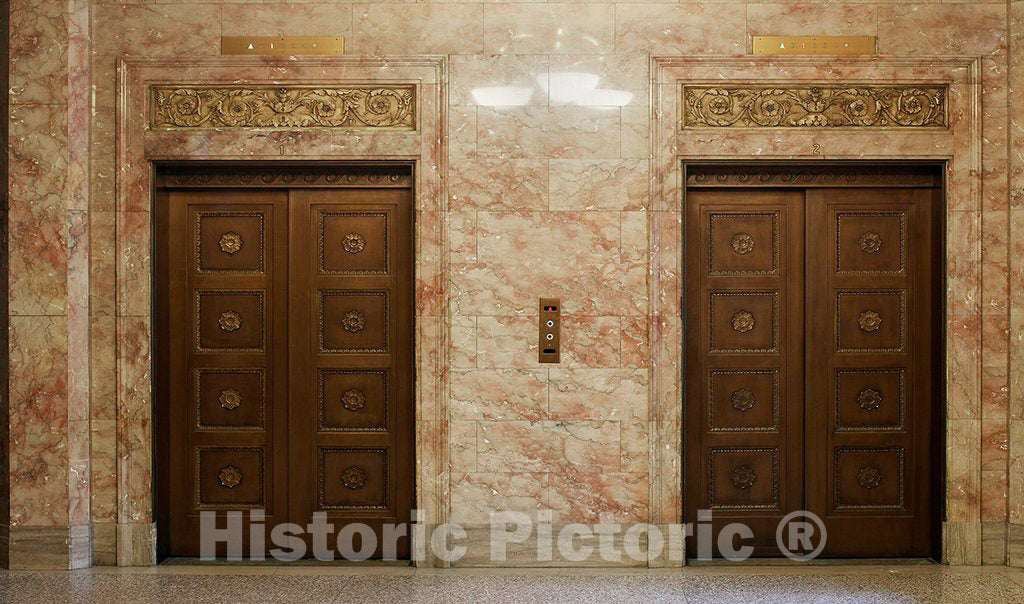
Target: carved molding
743	477
230	476
743	400
345	107
353	243
230	399
257	175
229	320
742	243
230	243
817	106
353	399
832	175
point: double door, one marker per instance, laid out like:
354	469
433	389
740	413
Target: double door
285	359
812	329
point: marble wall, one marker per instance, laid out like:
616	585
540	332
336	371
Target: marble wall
549	194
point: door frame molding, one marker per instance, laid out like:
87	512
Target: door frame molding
141	142
958	145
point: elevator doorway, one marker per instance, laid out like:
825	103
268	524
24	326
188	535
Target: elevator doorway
813	354
284	349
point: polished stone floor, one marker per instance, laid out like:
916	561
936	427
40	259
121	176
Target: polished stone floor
746	584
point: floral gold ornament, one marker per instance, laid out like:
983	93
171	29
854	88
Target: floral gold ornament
743	477
743	400
869	320
353	477
347	107
869	477
353	243
230	398
742	243
230	476
743	321
229	320
230	242
353	321
821	106
869	399
353	399
870	242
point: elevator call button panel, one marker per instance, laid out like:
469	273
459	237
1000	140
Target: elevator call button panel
550	348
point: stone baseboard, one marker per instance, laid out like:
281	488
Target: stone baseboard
1015	545
993	543
49	547
524	554
136	544
104	544
961	543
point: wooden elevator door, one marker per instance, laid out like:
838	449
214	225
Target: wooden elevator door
811	353
285	345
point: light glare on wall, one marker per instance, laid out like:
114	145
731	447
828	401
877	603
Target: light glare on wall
580	88
502	96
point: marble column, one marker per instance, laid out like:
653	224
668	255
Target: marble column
48	250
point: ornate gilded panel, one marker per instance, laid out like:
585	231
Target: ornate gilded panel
813	106
345	107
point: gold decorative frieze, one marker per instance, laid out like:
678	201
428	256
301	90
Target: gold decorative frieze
346	107
821	106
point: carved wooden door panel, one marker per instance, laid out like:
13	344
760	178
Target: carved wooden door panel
226	349
351	341
744	358
871	330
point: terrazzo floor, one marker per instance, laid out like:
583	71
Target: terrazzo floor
747	584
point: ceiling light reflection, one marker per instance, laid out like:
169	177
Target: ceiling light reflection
502	96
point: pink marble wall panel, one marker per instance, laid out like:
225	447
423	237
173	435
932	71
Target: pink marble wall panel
38	421
942	29
379	29
801	19
555	28
681	29
38	51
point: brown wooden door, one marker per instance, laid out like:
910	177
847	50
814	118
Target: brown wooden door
812	332
871	340
284	344
227	343
351	357
744	358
